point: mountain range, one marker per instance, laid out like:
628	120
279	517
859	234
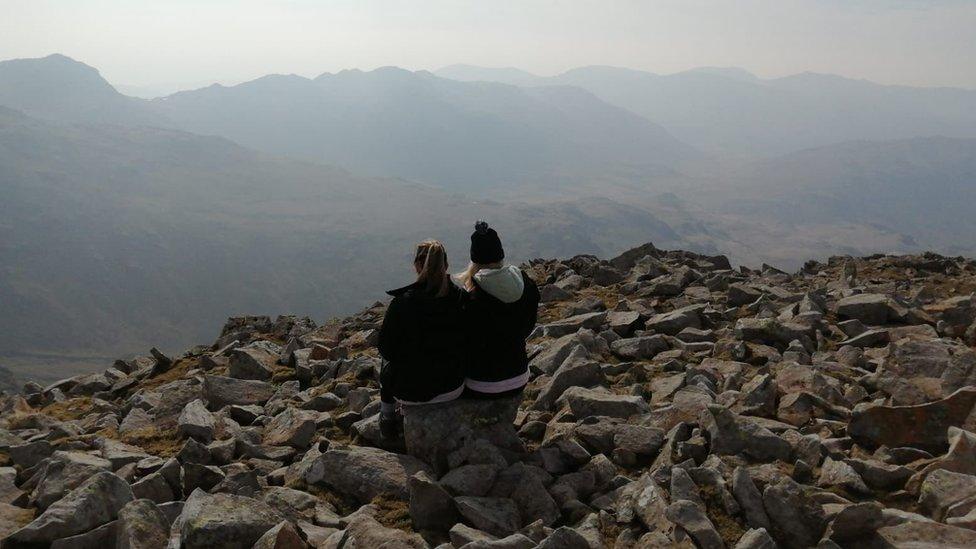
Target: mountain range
729	111
122	218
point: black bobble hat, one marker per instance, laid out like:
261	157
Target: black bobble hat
486	247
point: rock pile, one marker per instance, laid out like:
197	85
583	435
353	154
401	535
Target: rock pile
675	402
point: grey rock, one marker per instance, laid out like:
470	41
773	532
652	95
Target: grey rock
64	472
93	503
871	309
433	432
942	489
923	426
797	521
141	525
431	506
572	373
222	391
856	521
595	402
750	499
497	516
673	322
364	473
469	480
196	422
926	535
837	474
639	348
693	520
730	434
254	361
757	538
292	427
363	532
281	536
564	538
224	520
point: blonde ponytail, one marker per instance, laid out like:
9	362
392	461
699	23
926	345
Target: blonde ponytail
431	263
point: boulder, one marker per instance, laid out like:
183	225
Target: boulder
64	472
363	532
224	520
639	348
693	520
431	506
281	536
362	473
196	422
292	427
497	516
757	538
837	474
432	432
673	322
731	434
571	373
856	522
254	361
871	309
141	525
95	502
926	535
922	426
596	402
573	324
797	521
942	489
222	391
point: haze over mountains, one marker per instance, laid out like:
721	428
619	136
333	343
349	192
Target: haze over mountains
122	219
731	111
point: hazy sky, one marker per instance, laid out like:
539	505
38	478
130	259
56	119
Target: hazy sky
165	43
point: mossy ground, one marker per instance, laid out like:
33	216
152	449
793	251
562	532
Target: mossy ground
159	442
393	512
69	410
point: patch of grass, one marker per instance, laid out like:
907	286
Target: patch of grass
155	441
341	505
726	525
393	512
69	410
609	531
281	375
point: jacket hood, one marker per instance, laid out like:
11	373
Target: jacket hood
505	284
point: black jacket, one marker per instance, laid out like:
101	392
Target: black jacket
496	338
422	340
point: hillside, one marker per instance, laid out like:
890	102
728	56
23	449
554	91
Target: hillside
731	112
923	188
127	237
674	402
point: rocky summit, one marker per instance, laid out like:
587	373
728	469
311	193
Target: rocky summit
675	401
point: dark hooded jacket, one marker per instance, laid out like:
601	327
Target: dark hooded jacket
501	314
422	342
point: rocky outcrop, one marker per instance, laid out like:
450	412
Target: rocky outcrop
673	402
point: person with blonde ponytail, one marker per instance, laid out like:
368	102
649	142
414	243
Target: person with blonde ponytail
422	339
500	314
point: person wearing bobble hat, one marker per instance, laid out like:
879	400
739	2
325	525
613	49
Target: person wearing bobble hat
500	314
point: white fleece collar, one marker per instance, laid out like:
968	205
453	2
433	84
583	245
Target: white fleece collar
505	283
